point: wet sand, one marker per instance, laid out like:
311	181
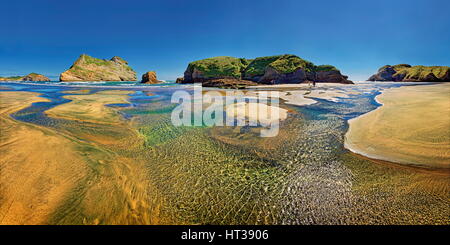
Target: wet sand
257	112
305	95
91	107
411	127
144	170
33	179
72	176
330	95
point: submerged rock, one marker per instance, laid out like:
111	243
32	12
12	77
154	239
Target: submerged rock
277	69
408	73
87	68
150	77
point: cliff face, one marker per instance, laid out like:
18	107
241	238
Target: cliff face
87	68
262	70
408	73
150	78
30	77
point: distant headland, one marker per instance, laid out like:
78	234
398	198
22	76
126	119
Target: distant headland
408	73
232	72
30	77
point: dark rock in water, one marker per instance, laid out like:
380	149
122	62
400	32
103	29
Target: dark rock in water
386	73
331	77
180	80
87	68
150	77
221	82
228	83
408	73
278	69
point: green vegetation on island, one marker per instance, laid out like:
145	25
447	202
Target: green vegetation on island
408	73
325	68
222	66
30	77
276	69
87	68
257	66
289	63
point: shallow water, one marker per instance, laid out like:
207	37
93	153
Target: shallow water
230	175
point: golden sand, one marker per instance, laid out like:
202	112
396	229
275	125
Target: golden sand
59	177
91	107
33	178
411	127
258	112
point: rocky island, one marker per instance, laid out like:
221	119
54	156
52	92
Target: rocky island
150	78
87	68
234	72
30	77
408	73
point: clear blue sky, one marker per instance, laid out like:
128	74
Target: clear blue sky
355	36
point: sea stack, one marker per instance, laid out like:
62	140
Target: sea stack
408	73
87	68
150	78
277	69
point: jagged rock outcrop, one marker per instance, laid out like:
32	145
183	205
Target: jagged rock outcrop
262	70
228	83
222	82
35	77
408	73
87	68
30	77
180	80
150	78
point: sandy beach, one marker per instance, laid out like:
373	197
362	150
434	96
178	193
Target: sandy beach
257	112
33	181
411	127
84	162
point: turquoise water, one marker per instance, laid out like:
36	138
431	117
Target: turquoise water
222	175
145	95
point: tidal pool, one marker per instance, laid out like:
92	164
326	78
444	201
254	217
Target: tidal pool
133	166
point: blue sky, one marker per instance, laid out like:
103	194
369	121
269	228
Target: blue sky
355	36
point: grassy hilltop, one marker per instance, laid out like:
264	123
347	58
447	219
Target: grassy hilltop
226	66
87	68
408	73
275	69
